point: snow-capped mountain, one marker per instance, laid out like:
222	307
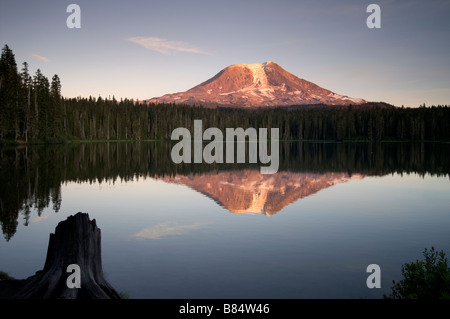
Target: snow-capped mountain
262	84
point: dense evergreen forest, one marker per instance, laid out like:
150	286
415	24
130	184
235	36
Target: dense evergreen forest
33	110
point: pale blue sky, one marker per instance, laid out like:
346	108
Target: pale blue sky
143	49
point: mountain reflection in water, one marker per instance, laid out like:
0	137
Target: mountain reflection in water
248	191
32	176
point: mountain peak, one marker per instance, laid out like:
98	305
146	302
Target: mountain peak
253	85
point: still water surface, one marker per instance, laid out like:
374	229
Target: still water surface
308	231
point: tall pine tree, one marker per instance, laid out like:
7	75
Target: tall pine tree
9	99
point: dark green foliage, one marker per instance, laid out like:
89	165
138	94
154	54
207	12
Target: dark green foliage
424	279
9	90
4	275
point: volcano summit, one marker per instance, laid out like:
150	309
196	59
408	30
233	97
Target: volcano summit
256	85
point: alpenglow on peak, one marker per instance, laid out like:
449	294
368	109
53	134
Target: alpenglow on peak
255	85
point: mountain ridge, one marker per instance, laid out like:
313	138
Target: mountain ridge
256	85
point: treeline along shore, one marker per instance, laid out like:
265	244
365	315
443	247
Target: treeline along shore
32	110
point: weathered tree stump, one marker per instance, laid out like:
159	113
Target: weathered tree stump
75	241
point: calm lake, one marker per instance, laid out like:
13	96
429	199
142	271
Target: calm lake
211	231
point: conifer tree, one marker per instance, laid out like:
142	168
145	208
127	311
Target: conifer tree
9	90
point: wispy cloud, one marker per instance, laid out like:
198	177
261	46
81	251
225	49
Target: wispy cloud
166	229
165	46
40	218
39	58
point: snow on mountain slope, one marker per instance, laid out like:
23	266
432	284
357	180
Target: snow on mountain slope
254	85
